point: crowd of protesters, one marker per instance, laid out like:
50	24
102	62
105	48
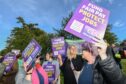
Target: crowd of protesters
98	64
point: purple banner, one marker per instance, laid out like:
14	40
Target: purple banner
88	22
30	52
9	61
50	69
58	46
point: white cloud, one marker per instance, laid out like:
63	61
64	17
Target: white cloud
119	24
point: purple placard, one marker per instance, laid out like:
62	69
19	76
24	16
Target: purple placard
89	22
30	52
9	61
50	70
58	46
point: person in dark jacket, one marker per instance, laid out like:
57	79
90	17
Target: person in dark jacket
116	55
72	65
101	69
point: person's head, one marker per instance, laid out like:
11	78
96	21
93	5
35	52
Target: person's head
72	51
38	59
87	55
19	56
48	56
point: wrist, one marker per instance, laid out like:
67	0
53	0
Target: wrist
61	63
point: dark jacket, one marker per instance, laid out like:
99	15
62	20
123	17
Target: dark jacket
67	71
107	72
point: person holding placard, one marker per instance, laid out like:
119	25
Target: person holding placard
52	68
101	68
34	75
23	76
72	65
39	76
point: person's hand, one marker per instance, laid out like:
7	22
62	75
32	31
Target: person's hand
28	73
25	66
87	55
102	47
60	59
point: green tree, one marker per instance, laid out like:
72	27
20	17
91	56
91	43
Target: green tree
123	43
50	36
61	32
3	52
110	37
21	36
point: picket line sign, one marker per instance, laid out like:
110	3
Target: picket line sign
89	22
30	52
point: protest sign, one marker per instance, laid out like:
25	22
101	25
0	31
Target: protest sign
50	70
58	46
15	51
30	52
88	22
9	60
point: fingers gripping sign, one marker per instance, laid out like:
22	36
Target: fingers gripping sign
102	47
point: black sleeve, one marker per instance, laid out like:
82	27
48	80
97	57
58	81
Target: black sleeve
111	70
64	64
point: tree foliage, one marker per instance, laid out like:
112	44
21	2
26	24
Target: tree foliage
21	36
110	37
61	32
123	43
